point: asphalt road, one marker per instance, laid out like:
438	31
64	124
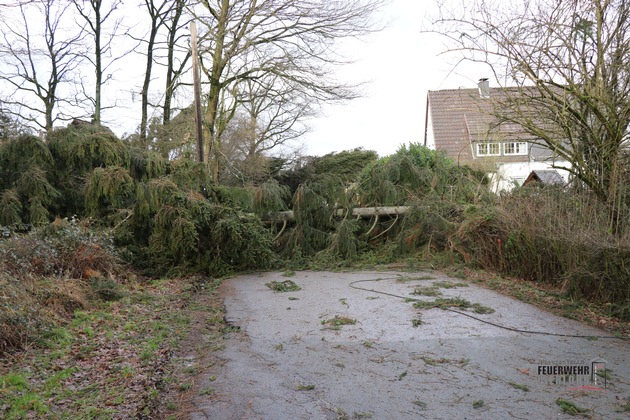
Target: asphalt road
289	360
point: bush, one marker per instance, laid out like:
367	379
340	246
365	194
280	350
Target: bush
47	274
552	236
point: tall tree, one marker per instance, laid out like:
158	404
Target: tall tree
289	39
163	47
176	57
269	121
103	25
571	60
157	13
40	52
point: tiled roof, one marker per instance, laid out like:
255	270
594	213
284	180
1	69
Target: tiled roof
545	176
461	117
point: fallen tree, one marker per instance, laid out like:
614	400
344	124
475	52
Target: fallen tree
361	212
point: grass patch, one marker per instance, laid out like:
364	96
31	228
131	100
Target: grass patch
402	375
427	291
416	322
338	322
604	373
305	387
206	391
448	284
283	286
448	303
434	362
480	309
519	386
122	346
478	404
443	303
569	407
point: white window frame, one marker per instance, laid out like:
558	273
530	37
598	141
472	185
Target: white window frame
483	149
520	148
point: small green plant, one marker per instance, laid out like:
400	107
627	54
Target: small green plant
604	373
288	273
343	301
206	391
338	321
478	404
427	291
368	344
480	309
279	347
185	386
402	375
13	381
416	322
305	387
293	298
569	407
434	362
519	386
283	286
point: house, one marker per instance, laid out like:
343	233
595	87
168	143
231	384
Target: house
462	123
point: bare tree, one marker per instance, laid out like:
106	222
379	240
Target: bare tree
97	19
269	121
570	60
290	39
164	47
40	52
157	13
176	57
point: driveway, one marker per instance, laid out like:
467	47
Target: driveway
297	355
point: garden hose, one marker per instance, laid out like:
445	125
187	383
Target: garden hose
504	327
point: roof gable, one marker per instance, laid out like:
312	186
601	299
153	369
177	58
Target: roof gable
462	117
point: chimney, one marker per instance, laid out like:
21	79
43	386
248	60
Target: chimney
484	88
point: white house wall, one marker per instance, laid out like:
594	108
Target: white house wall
429	138
509	175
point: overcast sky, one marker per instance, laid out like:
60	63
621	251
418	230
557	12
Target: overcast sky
402	64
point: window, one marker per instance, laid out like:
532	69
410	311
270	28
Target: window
515	148
488	149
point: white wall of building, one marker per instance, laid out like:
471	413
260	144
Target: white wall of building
510	175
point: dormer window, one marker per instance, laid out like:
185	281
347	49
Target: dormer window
515	148
488	149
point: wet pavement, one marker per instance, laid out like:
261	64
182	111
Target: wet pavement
397	361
